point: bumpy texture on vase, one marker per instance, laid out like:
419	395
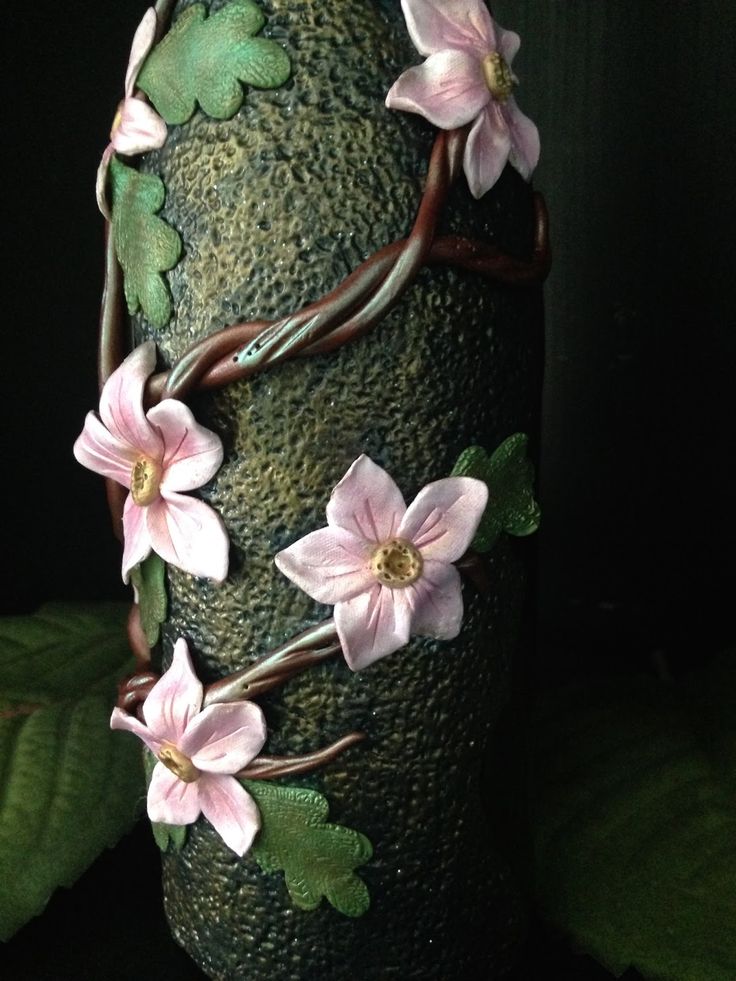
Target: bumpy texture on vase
275	207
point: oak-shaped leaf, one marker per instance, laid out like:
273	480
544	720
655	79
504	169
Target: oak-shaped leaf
509	474
204	59
70	786
149	579
146	246
635	822
318	859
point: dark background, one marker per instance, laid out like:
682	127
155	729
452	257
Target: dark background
635	103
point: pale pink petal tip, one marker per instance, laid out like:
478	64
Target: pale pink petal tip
231	811
175	699
143	40
139	129
366	502
101	182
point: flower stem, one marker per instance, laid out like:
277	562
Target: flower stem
270	767
313	646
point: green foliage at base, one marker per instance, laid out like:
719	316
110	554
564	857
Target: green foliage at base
149	579
70	786
145	245
509	474
636	823
318	859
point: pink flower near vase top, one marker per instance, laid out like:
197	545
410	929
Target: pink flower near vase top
137	127
157	455
198	753
388	568
467	78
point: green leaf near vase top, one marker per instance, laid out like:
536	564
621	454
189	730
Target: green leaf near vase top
318	859
71	788
204	59
509	474
149	579
146	246
635	823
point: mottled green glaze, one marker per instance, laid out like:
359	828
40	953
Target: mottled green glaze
275	207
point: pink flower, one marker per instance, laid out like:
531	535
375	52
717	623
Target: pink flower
156	454
467	76
388	569
198	751
137	128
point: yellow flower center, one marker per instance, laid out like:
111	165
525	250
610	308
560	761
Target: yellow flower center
179	764
396	563
145	479
498	76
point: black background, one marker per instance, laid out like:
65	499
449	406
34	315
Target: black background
635	105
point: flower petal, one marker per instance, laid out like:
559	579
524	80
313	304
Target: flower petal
192	454
444	516
100	451
187	533
435	25
230	809
171	800
139	129
448	89
129	723
225	738
143	40
175	698
524	153
101	182
373	624
507	43
121	402
487	150
330	565
137	540
366	502
437	602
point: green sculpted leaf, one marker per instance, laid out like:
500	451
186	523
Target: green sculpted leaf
318	858
149	579
509	474
70	786
146	246
204	60
166	836
636	823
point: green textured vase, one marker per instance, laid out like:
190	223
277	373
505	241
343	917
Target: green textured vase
274	207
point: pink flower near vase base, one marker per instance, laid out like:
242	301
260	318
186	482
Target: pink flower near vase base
388	568
157	455
467	78
137	127
198	753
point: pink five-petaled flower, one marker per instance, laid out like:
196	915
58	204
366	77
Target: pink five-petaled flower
156	454
467	76
388	568
198	753
137	128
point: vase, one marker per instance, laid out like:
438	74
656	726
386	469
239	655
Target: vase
275	207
